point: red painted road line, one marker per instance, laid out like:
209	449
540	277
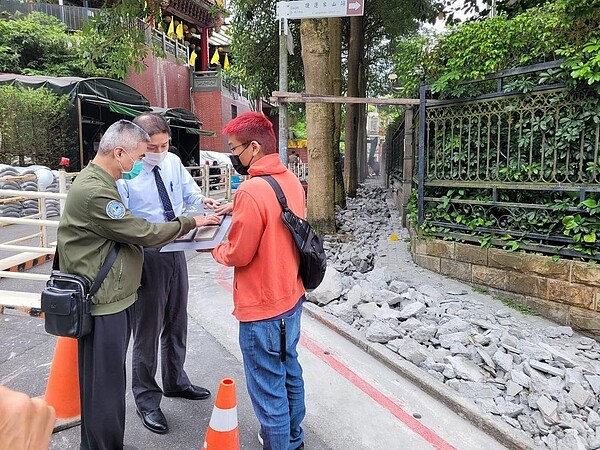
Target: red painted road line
397	411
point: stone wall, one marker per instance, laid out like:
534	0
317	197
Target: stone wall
565	291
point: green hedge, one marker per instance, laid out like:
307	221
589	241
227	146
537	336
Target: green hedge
564	29
35	127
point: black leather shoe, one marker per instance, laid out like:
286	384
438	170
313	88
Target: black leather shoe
154	420
191	393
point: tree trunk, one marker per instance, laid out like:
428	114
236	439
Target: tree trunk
362	126
314	36
335	65
355	58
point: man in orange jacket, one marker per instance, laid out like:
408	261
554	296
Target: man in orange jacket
267	290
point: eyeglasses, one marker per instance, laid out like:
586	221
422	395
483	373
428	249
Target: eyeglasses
241	145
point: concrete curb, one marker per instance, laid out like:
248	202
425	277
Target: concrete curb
503	433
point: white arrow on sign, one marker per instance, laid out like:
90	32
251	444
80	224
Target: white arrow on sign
315	9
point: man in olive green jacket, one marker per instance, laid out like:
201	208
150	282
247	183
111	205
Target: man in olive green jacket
93	221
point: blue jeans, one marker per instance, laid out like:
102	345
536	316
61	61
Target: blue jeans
276	387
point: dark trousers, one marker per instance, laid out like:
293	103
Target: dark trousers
160	315
102	382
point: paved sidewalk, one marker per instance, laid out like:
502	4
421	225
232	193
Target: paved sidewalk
353	400
213	353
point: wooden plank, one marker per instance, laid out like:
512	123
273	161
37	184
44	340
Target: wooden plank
11	200
19	177
20	300
24	258
301	97
24	275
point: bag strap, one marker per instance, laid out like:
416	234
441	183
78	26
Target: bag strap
55	264
108	262
278	192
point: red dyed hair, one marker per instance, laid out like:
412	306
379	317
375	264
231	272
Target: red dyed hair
253	126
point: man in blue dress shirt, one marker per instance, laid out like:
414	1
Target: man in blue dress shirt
159	193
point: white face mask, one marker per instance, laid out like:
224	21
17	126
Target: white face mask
155	158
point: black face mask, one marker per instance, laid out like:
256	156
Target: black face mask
238	166
236	162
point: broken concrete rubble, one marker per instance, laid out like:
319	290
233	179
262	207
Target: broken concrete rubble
539	377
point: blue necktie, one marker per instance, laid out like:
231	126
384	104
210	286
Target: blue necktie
162	193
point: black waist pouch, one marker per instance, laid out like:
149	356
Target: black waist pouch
67	299
67	305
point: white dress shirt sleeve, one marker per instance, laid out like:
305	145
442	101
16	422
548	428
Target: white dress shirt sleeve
123	192
192	195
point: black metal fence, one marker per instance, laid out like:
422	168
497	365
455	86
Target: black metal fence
508	166
394	152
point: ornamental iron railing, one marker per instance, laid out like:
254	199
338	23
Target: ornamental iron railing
540	137
508	167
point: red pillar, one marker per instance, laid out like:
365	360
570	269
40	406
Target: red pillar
204	50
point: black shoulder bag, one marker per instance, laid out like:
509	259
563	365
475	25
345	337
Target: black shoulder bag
313	261
67	299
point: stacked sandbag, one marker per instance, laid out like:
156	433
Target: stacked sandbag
10	209
30	205
52	205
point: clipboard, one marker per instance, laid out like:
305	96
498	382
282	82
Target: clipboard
201	238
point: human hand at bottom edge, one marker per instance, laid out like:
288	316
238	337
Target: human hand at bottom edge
25	423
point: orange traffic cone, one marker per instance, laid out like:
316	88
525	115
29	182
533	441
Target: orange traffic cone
222	433
62	391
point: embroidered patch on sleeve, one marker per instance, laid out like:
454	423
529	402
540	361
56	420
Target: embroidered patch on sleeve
115	209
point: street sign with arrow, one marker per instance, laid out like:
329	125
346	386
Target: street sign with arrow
315	9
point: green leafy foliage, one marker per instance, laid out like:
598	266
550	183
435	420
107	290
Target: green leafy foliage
410	59
471	50
497	43
584	227
513	304
255	46
579	221
255	42
115	40
387	23
585	63
34	126
38	44
299	129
